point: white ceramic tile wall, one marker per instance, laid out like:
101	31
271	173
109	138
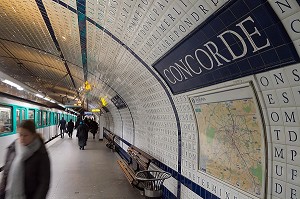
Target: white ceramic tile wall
154	123
15	15
288	13
65	26
186	193
151	28
152	33
279	90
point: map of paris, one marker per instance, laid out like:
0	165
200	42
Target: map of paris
231	139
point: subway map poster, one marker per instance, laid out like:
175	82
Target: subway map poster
231	138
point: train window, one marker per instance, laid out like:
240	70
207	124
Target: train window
23	114
40	118
5	119
44	118
55	118
18	117
48	118
31	114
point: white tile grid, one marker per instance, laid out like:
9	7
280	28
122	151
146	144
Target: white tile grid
284	9
65	26
288	12
218	188
71	3
169	155
139	17
15	15
280	91
171	185
183	27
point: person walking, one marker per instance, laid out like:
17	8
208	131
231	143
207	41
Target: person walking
70	128
26	172
62	125
82	134
77	122
94	128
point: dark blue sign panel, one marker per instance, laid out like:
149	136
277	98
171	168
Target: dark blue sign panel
245	38
118	102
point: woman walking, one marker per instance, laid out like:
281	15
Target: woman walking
27	166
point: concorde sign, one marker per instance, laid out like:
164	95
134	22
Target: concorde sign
228	47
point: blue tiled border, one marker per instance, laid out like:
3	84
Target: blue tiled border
82	32
44	14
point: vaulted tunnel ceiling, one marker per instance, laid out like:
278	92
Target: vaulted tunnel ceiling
55	46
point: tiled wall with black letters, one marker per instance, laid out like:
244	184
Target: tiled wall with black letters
155	129
156	132
279	96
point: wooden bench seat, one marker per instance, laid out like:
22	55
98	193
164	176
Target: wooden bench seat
142	159
109	140
129	173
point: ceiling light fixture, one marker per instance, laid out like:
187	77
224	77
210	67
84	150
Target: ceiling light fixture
13	84
39	95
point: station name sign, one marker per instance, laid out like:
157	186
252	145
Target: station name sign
246	46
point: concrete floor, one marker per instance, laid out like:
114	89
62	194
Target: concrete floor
89	174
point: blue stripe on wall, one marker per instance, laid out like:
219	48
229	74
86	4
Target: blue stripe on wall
82	32
43	11
52	34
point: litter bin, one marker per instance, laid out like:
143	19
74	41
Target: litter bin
152	181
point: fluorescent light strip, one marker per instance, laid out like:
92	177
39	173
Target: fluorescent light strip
61	105
21	88
13	84
39	95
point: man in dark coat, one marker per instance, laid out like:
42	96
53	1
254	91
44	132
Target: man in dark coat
70	128
62	124
94	128
82	134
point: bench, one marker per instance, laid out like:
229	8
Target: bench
129	174
109	140
147	177
141	158
139	161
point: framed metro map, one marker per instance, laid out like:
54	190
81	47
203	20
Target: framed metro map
231	137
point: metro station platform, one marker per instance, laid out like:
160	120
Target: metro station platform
92	173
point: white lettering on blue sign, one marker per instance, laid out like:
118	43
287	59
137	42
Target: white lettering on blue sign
209	56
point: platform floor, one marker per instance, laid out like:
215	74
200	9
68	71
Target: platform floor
92	173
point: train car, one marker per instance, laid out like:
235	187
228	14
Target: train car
13	111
